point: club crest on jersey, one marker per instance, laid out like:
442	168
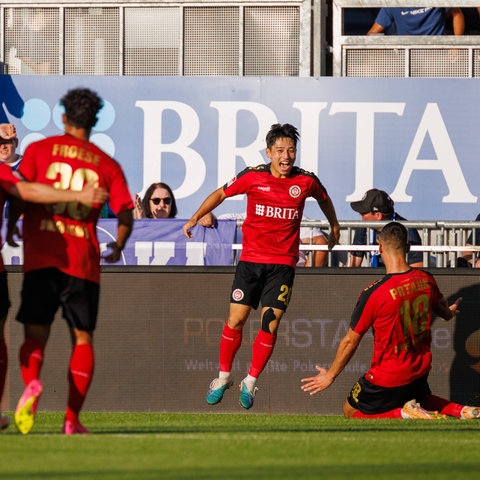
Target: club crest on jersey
238	295
295	191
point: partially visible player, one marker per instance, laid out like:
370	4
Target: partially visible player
276	195
398	308
62	255
11	184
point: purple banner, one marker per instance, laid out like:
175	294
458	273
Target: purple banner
160	242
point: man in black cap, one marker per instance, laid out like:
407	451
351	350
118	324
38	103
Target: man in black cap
376	206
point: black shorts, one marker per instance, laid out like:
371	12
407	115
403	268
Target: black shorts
44	291
4	298
370	398
270	284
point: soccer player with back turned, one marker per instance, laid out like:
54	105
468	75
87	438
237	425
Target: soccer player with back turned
62	255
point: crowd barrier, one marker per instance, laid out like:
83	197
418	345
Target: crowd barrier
163	243
159	328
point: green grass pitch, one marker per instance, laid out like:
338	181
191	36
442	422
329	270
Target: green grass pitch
178	446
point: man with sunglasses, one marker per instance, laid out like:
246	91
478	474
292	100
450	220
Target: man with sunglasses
276	195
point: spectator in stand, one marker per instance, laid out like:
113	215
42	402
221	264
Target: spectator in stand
466	259
159	202
377	206
418	21
8	153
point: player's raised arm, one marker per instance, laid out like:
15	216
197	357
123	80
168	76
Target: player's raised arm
325	378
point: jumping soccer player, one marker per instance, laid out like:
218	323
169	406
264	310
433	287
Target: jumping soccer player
276	195
399	309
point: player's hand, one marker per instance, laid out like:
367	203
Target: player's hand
188	227
91	194
454	306
7	131
11	233
114	254
334	236
317	383
208	220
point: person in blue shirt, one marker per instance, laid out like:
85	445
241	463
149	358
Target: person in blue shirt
418	21
376	205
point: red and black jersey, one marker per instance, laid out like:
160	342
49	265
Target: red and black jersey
398	308
63	235
8	179
274	212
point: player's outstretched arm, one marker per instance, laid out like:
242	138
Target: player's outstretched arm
442	309
40	193
209	204
124	229
325	378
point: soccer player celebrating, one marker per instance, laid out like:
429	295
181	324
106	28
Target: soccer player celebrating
11	183
62	255
399	309
276	195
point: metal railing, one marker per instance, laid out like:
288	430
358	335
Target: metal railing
443	242
402	56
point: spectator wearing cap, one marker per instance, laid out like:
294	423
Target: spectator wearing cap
376	206
8	146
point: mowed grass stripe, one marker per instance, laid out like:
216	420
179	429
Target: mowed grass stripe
142	446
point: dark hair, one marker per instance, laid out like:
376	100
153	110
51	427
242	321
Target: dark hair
81	107
281	131
395	234
148	196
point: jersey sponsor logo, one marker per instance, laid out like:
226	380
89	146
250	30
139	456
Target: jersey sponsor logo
263	189
276	212
238	295
295	191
